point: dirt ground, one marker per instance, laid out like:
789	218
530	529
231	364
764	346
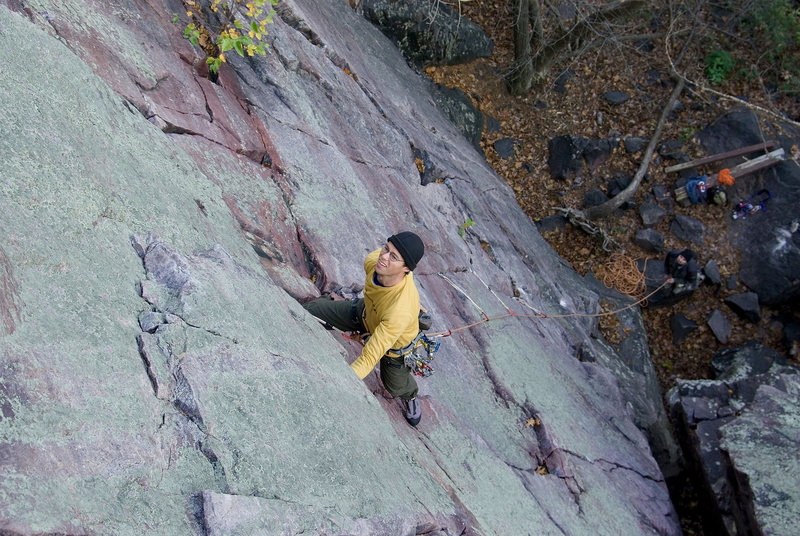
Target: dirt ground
582	111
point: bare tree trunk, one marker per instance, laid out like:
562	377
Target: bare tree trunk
601	211
519	79
534	58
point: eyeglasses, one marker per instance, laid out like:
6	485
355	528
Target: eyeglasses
392	256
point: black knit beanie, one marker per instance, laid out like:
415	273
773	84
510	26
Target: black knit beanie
410	247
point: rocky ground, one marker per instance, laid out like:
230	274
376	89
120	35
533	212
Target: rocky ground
579	108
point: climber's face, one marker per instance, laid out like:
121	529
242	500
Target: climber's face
390	265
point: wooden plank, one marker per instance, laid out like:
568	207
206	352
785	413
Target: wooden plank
745	168
766	160
721	156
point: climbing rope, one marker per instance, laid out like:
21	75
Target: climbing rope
536	314
622	273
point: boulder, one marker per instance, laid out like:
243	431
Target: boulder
745	305
652	214
711	270
687	228
635	144
598	151
754	445
649	240
457	107
551	223
681	327
505	147
720	325
736	431
750	359
493	125
560	83
615	98
671	149
568	154
565	156
654	277
428	33
617	185
594	197
732	281
791	337
663	197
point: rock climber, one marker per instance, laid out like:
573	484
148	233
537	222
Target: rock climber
389	313
681	269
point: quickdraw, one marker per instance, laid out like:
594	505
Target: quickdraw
752	205
419	359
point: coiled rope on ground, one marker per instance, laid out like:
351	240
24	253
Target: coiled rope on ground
622	273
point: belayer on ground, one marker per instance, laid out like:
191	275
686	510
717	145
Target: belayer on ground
682	270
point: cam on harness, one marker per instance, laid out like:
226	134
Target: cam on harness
750	206
417	355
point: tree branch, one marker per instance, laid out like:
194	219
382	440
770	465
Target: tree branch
601	211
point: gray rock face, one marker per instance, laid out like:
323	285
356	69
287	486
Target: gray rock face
160	376
636	377
739	430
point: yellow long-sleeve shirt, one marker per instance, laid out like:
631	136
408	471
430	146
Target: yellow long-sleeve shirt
390	315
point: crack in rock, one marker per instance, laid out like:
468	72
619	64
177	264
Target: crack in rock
164	341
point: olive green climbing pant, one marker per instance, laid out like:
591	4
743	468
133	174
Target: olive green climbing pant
345	315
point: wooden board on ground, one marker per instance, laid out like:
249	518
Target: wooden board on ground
751	166
766	146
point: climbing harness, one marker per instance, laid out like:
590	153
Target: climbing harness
417	355
750	206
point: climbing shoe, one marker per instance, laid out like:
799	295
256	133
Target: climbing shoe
412	412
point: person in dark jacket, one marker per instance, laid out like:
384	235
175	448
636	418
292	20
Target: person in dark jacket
681	269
